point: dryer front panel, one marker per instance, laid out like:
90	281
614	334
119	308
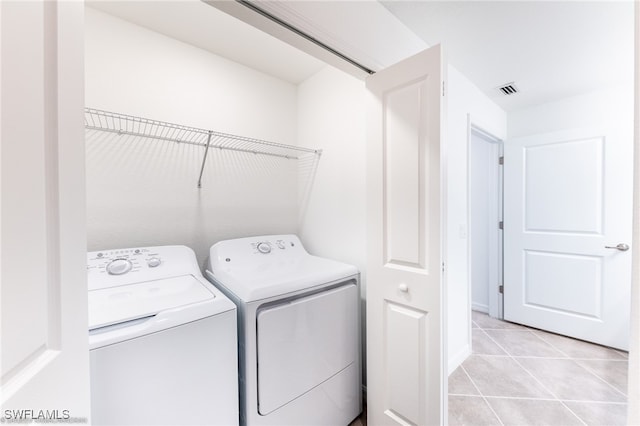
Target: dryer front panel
302	343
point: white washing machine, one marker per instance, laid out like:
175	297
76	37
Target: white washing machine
162	340
299	331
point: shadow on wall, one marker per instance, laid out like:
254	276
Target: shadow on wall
143	191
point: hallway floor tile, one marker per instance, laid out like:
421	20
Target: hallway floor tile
522	376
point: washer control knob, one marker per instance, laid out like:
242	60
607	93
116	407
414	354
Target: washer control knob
119	267
153	262
264	248
280	245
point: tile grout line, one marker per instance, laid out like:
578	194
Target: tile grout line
521	366
524	398
534	377
586	401
564	355
624	355
484	398
606	382
583	367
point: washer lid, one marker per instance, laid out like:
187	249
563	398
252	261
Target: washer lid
256	268
264	278
116	305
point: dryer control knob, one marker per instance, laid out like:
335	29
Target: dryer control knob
264	248
153	262
119	267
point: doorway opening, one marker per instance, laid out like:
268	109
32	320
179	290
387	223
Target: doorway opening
485	218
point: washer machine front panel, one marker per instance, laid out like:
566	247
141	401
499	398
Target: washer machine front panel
179	376
304	342
265	283
163	341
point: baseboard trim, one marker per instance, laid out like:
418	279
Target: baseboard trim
480	308
456	360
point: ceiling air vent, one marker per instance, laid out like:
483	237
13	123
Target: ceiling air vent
508	89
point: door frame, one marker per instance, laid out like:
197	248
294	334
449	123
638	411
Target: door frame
633	412
495	298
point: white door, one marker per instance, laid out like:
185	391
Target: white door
45	359
406	378
567	224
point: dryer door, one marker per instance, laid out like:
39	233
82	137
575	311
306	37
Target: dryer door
304	342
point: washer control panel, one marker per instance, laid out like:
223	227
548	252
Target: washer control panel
107	268
267	246
255	253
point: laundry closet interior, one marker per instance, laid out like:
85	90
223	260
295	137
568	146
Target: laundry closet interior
144	191
186	147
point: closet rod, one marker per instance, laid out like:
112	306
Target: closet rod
253	5
124	124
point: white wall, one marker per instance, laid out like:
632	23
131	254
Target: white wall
465	103
333	216
331	116
144	192
611	108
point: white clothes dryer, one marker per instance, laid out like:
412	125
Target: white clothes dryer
162	340
299	331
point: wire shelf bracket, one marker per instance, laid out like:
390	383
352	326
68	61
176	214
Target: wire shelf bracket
123	124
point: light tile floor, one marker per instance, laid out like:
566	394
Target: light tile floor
522	376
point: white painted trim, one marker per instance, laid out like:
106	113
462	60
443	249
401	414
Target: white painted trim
482	132
457	360
495	305
633	416
468	349
480	308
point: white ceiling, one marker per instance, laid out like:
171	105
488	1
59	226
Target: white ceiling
198	24
549	49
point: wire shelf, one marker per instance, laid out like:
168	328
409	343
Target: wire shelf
123	124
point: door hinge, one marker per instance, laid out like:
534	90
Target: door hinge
501	225
442	266
501	289
501	160
443	88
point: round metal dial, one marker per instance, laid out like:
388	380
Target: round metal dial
153	262
264	248
119	266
